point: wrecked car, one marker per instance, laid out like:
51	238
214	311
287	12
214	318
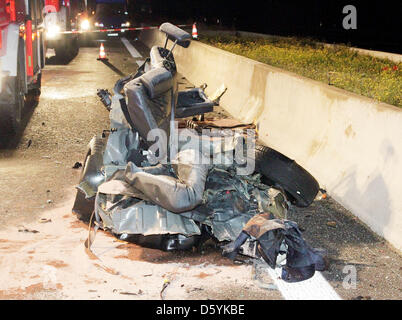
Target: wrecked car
166	177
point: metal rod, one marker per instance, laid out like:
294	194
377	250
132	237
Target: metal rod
166	42
171	50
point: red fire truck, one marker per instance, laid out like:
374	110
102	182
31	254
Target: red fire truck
22	57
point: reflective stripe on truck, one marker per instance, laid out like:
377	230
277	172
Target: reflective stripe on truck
28	46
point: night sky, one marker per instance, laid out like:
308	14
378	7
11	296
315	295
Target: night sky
379	23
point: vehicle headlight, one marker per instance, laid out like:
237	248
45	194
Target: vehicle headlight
52	31
127	24
97	24
85	25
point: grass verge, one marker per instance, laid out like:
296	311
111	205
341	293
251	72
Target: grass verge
376	78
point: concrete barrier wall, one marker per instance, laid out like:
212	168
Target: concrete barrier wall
351	144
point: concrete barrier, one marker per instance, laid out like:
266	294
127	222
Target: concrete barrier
351	144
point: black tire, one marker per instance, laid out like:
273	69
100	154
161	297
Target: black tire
75	47
67	49
10	113
34	92
62	52
42	52
280	171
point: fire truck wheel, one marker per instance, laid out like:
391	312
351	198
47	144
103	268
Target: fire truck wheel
34	93
62	53
75	47
10	113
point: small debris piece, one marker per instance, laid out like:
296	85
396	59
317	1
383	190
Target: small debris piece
77	165
331	224
362	298
29	143
166	283
128	293
23	229
322	194
188	290
49	201
44	220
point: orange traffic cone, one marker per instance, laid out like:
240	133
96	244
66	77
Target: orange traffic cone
195	32
102	54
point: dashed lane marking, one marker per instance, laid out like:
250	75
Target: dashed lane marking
133	51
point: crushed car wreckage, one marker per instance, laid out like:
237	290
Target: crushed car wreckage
166	182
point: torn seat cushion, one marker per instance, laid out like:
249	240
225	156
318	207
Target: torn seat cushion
157	81
177	193
162	57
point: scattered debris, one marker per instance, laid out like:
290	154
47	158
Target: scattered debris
190	197
279	243
166	283
322	194
362	298
128	293
29	143
49	201
44	220
331	224
77	165
24	229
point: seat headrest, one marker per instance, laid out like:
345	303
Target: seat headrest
157	81
174	33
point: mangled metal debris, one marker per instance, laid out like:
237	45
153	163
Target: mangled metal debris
172	184
273	237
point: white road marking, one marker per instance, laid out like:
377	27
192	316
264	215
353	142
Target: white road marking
133	51
315	288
